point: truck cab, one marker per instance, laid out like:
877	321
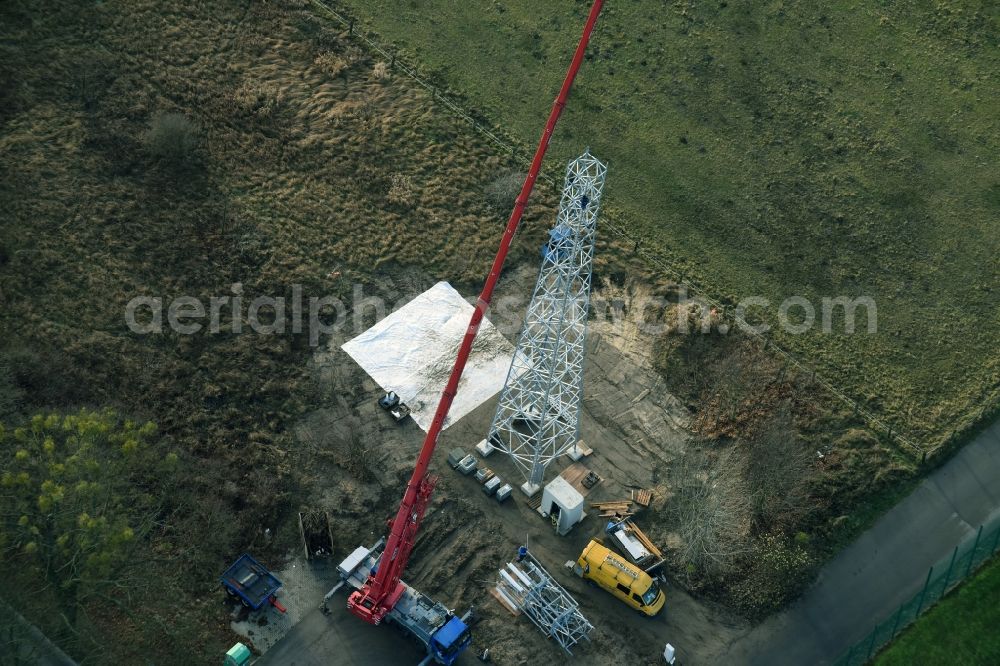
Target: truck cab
449	641
626	581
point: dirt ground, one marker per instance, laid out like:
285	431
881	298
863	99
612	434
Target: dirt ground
635	429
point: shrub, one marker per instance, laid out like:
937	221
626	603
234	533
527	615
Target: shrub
502	191
401	192
172	139
380	72
777	571
332	64
262	101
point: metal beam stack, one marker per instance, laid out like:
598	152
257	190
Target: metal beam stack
527	587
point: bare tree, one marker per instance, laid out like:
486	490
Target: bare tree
710	510
778	470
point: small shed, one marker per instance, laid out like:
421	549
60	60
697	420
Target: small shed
563	504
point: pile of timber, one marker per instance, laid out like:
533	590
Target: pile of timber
643	539
624	508
617	509
647	544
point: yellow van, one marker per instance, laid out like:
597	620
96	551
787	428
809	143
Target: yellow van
624	580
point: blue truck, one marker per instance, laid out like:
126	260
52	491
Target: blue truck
250	581
444	635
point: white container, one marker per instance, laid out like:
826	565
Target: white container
561	499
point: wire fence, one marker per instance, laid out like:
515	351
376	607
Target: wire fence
964	561
613	223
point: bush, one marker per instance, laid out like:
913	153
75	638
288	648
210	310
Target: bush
777	571
332	64
259	100
172	139
502	191
402	192
380	72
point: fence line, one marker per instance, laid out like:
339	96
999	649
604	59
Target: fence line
940	579
611	222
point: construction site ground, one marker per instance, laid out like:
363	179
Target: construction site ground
358	459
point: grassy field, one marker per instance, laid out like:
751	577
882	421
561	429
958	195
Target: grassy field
777	149
309	166
313	165
960	629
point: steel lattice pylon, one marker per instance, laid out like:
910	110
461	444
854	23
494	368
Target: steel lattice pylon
528	587
538	414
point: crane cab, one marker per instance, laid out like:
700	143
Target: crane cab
624	580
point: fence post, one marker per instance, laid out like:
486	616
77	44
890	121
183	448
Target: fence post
947	575
895	624
350	27
972	554
920	604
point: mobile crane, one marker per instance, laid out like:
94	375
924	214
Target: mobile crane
375	576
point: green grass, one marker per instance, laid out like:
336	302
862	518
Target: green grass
785	148
960	629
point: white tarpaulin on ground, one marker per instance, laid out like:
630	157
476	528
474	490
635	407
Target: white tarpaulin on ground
412	351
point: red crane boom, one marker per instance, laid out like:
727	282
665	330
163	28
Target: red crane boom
383	589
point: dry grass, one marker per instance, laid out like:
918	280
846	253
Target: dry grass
776	149
313	167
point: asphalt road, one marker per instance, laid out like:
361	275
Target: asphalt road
342	639
869	579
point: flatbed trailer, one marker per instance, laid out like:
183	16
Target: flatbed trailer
250	581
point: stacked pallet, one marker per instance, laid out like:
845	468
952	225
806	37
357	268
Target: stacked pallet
581	478
642	497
